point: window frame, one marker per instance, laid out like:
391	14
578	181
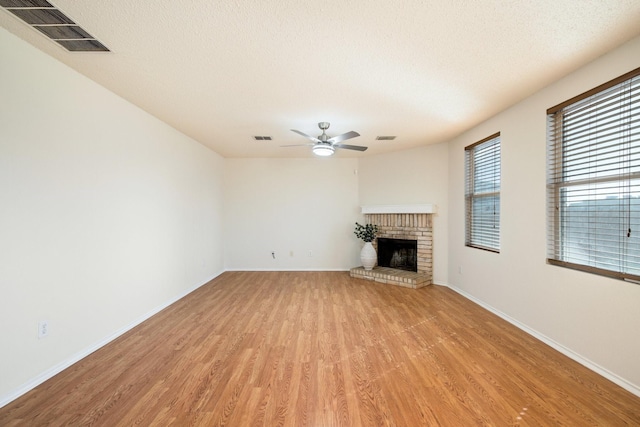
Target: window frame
476	234
562	177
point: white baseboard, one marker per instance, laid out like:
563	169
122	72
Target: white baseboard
632	388
51	372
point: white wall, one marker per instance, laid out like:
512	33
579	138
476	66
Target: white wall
594	318
106	215
292	207
410	177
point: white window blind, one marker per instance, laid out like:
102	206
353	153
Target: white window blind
593	180
482	194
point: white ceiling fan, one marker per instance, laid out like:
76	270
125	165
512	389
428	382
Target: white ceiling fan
325	146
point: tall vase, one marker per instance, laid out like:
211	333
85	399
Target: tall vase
368	256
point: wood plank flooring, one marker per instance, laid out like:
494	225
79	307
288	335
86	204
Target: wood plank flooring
323	349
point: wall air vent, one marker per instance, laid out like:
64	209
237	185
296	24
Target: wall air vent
51	22
385	138
262	138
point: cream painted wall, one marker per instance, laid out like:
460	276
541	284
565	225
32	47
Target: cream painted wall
291	206
106	215
412	177
589	316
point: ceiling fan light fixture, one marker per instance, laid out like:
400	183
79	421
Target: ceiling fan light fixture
324	146
323	150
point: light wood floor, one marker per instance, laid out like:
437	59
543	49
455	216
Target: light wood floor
323	349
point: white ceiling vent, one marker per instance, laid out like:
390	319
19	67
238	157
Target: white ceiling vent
51	22
385	138
262	138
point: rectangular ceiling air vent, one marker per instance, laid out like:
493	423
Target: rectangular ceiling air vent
51	22
262	138
385	138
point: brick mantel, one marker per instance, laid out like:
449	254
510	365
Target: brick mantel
399	209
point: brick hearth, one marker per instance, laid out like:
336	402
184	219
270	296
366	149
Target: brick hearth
392	276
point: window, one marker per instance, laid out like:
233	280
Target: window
482	194
593	180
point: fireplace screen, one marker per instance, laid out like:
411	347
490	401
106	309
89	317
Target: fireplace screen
398	253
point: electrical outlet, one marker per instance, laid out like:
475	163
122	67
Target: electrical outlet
43	329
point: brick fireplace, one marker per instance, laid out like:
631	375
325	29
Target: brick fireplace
412	222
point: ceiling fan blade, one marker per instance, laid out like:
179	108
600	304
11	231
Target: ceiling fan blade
343	137
316	140
351	147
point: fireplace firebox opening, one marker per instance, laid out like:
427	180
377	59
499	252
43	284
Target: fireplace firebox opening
400	254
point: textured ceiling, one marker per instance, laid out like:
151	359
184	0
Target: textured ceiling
425	71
